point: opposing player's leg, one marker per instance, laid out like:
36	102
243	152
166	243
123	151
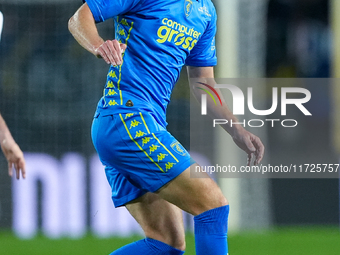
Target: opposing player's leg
202	198
162	223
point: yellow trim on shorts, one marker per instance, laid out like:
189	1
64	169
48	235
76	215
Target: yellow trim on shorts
141	115
157	138
127	130
165	147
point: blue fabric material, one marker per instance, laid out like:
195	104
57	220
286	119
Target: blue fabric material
161	36
211	230
138	153
147	246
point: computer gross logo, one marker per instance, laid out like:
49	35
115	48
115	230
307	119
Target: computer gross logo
178	34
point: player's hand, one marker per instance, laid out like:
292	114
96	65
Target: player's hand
111	51
15	158
250	143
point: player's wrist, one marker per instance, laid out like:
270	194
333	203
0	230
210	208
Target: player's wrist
6	139
96	46
236	130
3	138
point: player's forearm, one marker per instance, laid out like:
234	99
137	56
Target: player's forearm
5	134
83	28
205	75
218	111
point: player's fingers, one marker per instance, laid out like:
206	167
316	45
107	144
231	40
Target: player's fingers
123	47
10	169
23	168
250	156
107	49
102	53
117	50
116	53
17	170
111	53
259	150
250	146
105	53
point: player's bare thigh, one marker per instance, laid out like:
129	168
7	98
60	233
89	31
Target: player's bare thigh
193	195
159	219
162	220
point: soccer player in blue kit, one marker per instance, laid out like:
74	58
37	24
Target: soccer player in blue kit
147	168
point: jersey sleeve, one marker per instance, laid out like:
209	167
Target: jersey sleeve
106	9
204	52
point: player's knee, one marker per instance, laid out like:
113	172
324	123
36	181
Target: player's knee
217	201
220	201
178	243
223	201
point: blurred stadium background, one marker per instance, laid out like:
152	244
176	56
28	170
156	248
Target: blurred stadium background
49	88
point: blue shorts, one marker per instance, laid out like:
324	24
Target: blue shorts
139	154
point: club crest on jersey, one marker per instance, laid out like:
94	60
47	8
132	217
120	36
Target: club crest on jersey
178	148
188	7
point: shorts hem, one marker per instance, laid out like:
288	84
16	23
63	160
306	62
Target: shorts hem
128	198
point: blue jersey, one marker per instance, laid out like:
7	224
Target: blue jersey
161	36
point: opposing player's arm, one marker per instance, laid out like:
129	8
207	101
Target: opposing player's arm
247	141
83	28
12	152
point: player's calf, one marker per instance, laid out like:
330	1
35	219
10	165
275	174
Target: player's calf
159	219
204	199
